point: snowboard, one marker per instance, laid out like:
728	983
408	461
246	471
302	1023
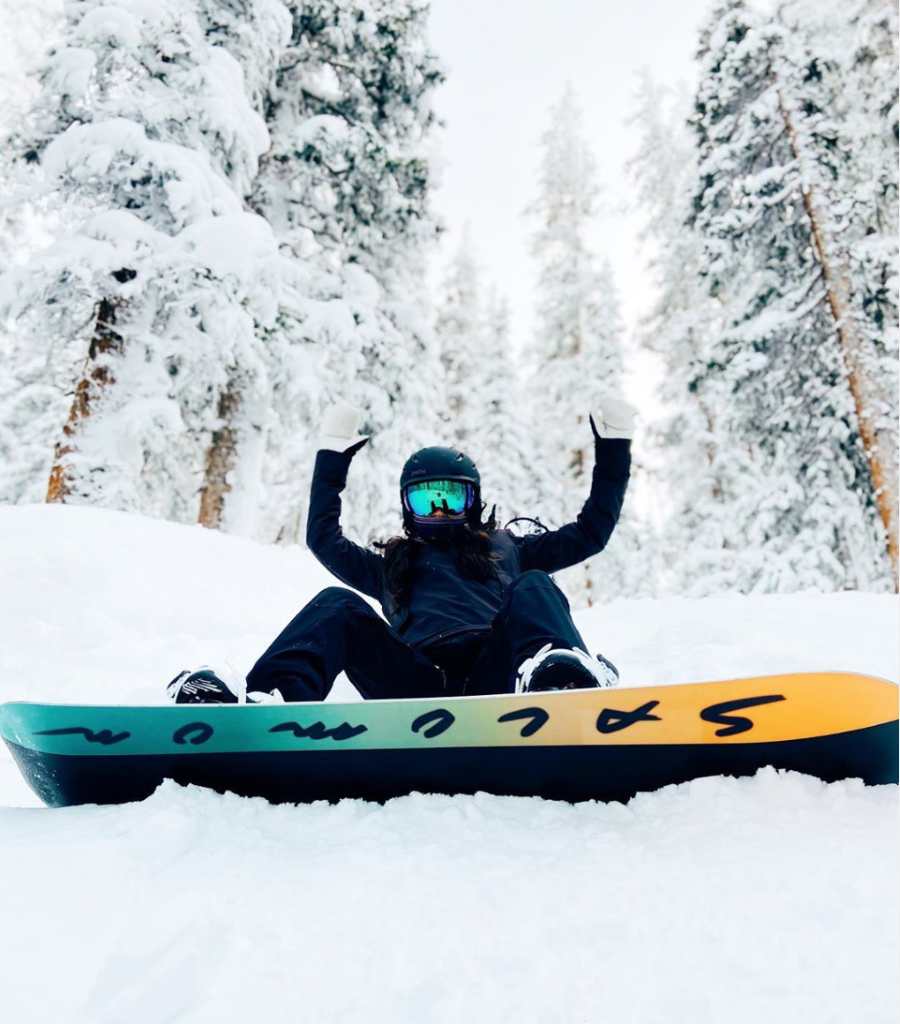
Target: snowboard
569	745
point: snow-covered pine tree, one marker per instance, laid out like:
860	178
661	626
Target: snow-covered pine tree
500	436
255	34
699	473
576	352
147	312
768	120
870	95
844	137
460	330
484	399
28	32
28	395
346	188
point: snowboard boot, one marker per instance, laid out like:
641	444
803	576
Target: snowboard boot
565	669
200	687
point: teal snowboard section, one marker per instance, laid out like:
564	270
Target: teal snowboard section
573	745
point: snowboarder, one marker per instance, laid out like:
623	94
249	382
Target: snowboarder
470	608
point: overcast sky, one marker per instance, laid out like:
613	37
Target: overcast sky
507	62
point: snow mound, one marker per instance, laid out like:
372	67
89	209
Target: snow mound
739	900
773	898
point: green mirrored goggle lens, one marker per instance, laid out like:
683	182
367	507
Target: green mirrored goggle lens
450	496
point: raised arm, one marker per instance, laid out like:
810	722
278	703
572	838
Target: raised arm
351	563
589	534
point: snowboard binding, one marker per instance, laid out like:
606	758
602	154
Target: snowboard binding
565	669
203	686
200	687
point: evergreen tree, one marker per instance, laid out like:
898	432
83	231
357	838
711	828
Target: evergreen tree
870	96
484	399
770	203
147	311
576	353
500	435
346	188
843	133
700	473
460	330
28	33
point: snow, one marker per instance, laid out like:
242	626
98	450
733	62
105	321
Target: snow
719	900
92	151
774	897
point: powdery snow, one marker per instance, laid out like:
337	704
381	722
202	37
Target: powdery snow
772	898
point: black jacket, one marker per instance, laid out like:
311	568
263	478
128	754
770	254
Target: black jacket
442	603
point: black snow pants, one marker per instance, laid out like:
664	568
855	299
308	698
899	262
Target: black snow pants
339	631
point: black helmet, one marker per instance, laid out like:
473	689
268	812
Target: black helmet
438	463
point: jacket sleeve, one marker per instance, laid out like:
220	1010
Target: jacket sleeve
589	534
352	564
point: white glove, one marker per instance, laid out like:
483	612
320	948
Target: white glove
339	428
614	419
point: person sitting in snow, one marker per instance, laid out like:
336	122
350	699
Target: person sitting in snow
470	609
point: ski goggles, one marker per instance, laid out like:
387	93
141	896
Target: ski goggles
425	497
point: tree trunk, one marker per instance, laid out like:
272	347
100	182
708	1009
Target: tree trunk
879	445
221	457
96	377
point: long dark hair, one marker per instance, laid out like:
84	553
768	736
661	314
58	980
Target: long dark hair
475	558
